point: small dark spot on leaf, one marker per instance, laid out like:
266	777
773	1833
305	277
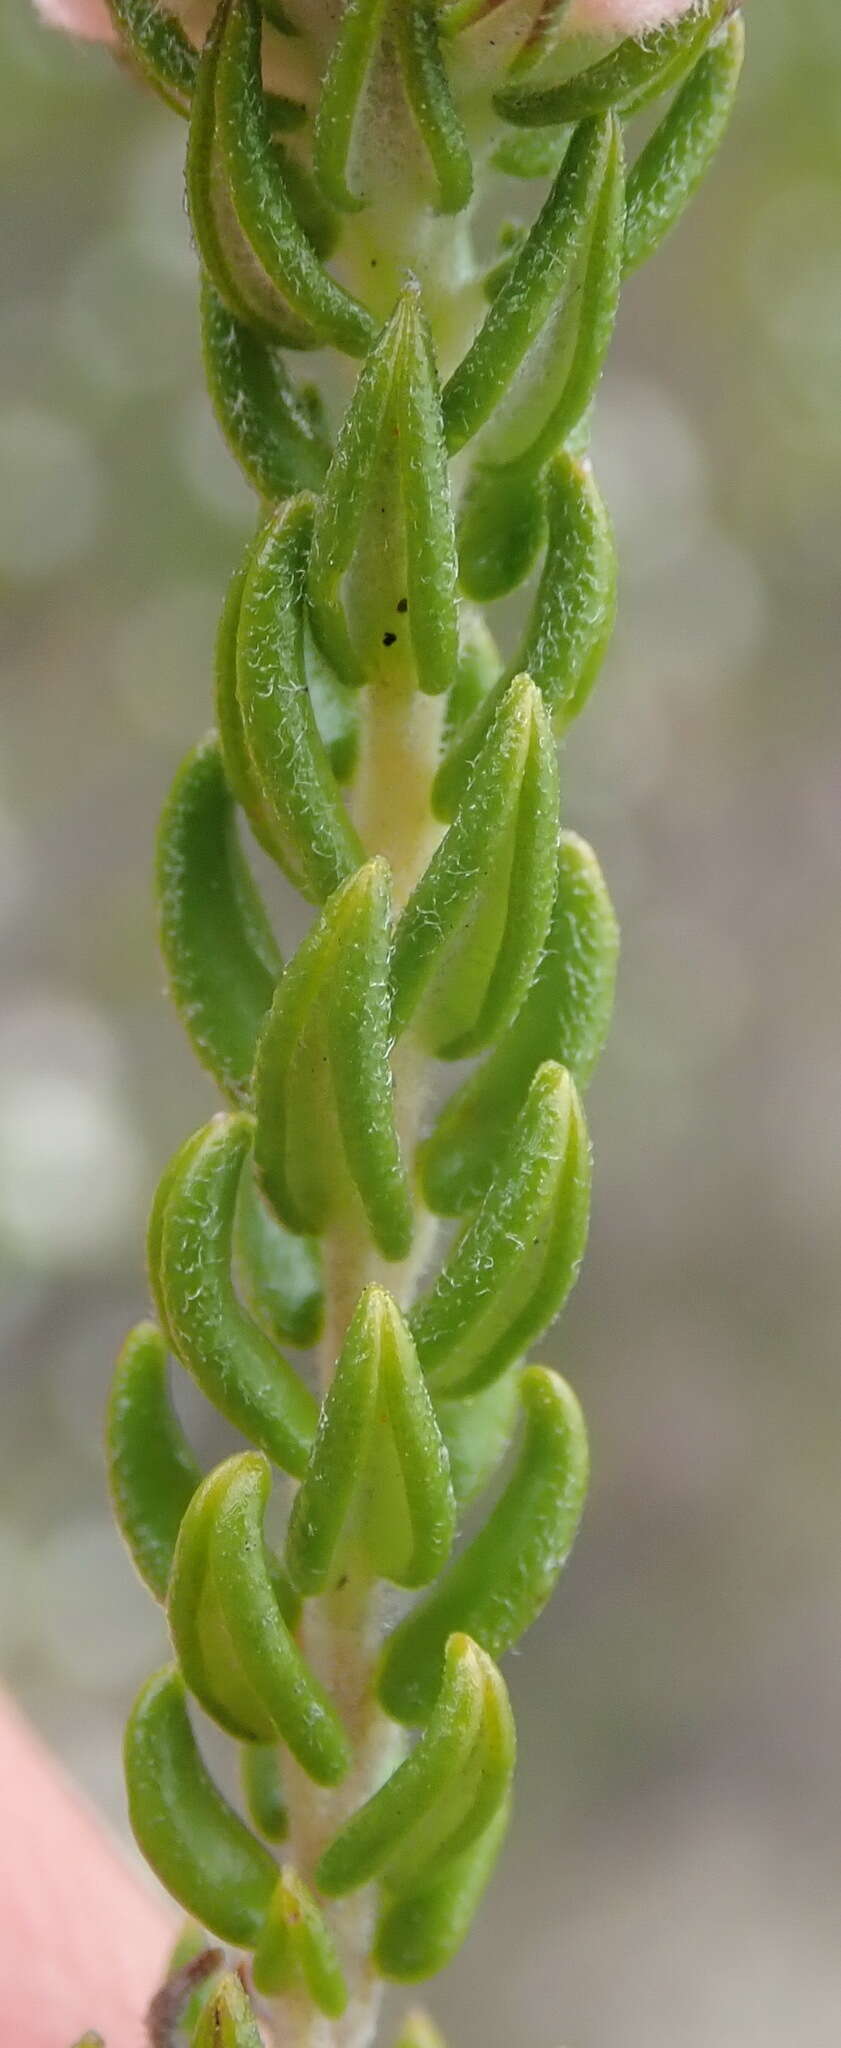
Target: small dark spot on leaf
389	639
402	604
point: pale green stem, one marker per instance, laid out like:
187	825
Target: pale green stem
341	1633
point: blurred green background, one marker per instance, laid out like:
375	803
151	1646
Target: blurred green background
673	1870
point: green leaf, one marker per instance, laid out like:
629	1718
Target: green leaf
323	1085
440	1800
571	621
336	708
239	767
296	1949
511	238
501	527
469	940
382	578
431	101
234	1647
477	1433
511	1268
596	317
532	155
575	607
639	70
378	1478
195	1843
228	2019
309	828
154	1229
157	43
151	1469
479	667
251	239
421	1930
236	1366
218	946
269	430
501	1582
347	71
565	1018
678	155
262	1789
279	1274
514	372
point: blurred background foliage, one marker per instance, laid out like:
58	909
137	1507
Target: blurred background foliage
672	1874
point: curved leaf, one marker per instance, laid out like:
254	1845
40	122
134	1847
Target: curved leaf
151	1469
159	47
441	1799
239	767
596	317
421	1930
276	264
575	607
571	620
279	1274
501	1582
195	1843
262	1789
511	1268
502	523
233	1644
431	101
525	345
235	1365
296	1949
227	2020
678	155
639	70
382	574
477	1433
216	939
565	1018
311	833
378	1478
532	155
344	83
268	428
323	1083
468	942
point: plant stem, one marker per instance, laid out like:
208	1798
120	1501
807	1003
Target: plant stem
341	1632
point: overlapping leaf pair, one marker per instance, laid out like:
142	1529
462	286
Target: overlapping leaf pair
307	1203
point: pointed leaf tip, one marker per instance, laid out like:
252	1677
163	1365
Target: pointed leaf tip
382	576
469	940
513	1264
191	1253
296	1951
378	1480
564	1018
